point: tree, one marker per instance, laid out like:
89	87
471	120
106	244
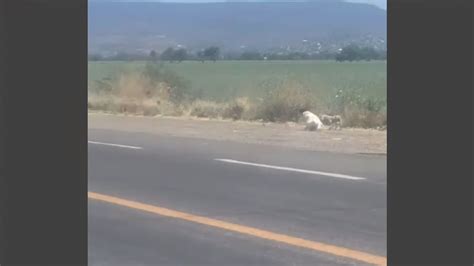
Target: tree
251	56
180	55
200	56
172	55
348	53
368	54
153	56
168	54
95	57
355	53
212	53
298	56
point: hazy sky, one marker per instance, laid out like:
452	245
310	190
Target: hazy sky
379	3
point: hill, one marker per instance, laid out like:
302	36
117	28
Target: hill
133	26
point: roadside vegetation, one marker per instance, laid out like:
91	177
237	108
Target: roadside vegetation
156	89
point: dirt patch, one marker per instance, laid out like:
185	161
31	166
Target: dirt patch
290	135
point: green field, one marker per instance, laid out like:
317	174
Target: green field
227	79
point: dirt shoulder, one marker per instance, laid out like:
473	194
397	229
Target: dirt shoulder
367	141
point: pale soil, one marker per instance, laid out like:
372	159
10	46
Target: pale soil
288	135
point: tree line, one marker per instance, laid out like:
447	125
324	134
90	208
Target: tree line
356	53
348	53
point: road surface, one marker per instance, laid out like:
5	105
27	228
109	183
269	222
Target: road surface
163	200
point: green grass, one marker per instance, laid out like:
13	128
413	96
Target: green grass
225	80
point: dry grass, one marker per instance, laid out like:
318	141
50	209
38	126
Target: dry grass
135	93
364	119
286	104
240	109
358	110
146	107
206	109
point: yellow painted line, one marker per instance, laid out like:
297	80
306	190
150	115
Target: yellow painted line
289	240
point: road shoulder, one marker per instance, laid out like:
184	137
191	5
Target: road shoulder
348	140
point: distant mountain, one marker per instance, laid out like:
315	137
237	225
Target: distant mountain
126	26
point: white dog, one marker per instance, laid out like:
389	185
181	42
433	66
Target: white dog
312	121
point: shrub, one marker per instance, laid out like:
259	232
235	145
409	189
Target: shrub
285	104
207	109
103	85
177	87
357	110
239	109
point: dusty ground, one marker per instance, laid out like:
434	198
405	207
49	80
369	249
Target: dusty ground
288	135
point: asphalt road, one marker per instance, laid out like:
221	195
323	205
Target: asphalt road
265	187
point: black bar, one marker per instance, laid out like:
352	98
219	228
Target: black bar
2	128
44	132
430	132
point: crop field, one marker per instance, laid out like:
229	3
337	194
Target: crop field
224	80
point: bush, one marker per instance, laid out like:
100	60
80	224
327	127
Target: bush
357	110
146	107
134	86
103	85
239	109
207	109
233	111
153	81
285	104
177	87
